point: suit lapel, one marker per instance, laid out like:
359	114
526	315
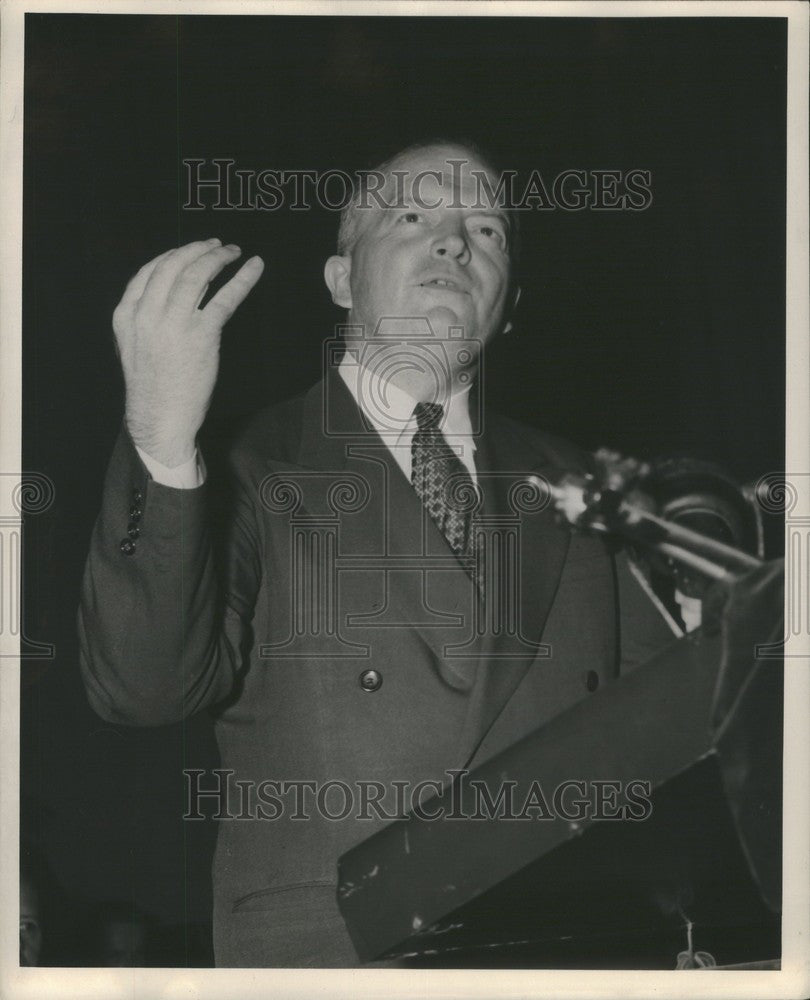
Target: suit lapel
505	464
483	647
397	569
528	553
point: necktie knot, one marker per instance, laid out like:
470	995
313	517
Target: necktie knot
428	416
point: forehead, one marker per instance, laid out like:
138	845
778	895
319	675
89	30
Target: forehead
443	172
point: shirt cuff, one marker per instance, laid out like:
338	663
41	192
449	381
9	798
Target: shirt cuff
188	476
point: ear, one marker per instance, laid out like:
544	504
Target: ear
336	273
515	298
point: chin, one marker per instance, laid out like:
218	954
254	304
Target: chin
443	317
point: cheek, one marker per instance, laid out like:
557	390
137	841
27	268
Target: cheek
373	274
362	283
496	285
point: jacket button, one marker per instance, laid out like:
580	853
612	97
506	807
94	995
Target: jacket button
371	680
127	546
592	680
133	530
135	512
137	496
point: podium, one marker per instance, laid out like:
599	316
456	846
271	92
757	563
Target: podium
642	846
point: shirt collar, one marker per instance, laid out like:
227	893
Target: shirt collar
389	409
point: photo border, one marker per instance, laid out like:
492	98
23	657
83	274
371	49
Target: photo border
793	980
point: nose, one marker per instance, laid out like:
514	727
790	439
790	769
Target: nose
451	241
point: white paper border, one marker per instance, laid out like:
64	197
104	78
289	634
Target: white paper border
221	984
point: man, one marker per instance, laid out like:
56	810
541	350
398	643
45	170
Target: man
399	601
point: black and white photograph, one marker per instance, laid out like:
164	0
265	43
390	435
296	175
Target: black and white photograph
404	540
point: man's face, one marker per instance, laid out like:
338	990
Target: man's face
436	255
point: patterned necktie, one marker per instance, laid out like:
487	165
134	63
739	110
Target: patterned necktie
441	480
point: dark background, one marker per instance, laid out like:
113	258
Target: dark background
653	332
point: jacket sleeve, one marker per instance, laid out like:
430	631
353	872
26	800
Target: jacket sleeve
159	638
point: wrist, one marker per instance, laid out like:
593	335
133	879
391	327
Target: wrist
170	452
170	456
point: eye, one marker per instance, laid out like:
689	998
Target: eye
410	217
492	232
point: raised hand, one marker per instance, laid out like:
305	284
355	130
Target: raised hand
169	347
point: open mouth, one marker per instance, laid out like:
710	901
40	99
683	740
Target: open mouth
448	283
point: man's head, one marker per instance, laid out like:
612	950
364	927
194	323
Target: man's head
426	245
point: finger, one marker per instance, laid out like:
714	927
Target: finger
164	275
191	283
134	291
228	299
135	287
137	283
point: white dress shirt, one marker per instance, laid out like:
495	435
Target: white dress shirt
389	410
187	476
395	424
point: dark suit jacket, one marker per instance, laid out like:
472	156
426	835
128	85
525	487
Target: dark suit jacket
335	570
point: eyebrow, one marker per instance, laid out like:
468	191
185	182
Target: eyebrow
491	213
